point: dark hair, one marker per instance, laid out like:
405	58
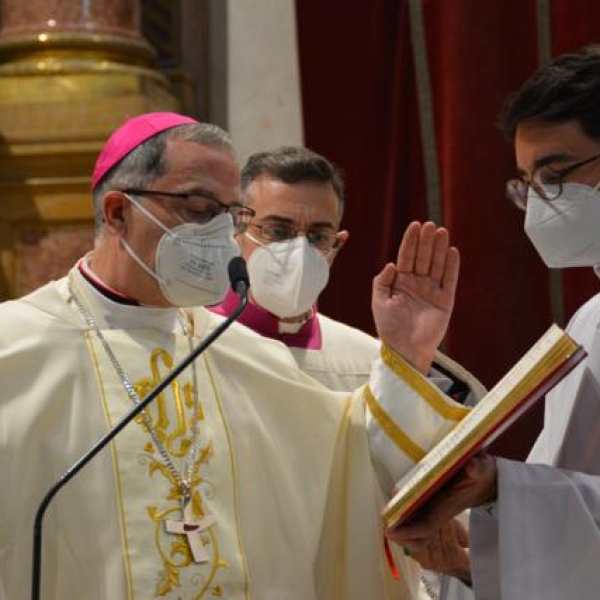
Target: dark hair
293	164
565	89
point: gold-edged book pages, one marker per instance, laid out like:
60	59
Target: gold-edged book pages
552	357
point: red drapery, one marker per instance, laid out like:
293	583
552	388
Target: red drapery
361	110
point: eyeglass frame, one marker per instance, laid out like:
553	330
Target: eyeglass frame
296	231
519	199
235	209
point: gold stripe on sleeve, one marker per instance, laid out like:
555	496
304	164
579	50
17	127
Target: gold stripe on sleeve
391	428
434	398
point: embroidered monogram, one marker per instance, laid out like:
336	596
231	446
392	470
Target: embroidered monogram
194	539
186	536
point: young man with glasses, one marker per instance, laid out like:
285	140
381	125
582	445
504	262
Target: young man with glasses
539	537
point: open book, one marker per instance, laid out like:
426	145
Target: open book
545	364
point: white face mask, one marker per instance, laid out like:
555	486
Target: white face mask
287	277
566	231
191	259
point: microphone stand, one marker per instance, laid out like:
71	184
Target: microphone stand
241	287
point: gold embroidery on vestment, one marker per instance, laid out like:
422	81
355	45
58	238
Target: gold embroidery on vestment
391	428
168	435
172	416
179	547
438	401
176	433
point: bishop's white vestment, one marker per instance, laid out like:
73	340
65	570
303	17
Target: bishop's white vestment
283	475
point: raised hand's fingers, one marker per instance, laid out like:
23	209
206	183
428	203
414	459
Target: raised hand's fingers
384	281
425	248
440	254
450	277
405	263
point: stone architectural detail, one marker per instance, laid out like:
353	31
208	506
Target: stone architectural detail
120	17
47	253
70	73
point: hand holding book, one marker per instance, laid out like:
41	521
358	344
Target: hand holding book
475	485
548	361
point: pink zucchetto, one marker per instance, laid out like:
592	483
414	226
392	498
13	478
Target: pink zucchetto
130	135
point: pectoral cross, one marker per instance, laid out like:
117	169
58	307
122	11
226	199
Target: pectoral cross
191	528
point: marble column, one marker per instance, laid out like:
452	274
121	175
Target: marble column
120	17
263	102
70	72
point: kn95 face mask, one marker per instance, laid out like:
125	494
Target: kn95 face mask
566	231
191	259
287	277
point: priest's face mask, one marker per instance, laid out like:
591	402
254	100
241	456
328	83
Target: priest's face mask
560	176
182	226
290	243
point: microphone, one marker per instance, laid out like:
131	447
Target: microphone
238	277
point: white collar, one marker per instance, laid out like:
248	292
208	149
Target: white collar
126	316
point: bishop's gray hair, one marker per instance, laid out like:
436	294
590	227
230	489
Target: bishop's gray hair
146	163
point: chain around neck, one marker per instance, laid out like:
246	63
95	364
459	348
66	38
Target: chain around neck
182	479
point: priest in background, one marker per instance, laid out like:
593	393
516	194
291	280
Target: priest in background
246	479
536	533
290	244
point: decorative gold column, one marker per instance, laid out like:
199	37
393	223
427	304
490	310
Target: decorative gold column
70	72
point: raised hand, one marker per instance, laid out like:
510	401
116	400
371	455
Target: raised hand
413	299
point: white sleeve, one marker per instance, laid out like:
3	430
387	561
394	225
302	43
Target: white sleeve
406	416
544	543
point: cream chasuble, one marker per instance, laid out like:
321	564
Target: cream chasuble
285	503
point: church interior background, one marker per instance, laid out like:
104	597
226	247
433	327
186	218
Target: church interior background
402	95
